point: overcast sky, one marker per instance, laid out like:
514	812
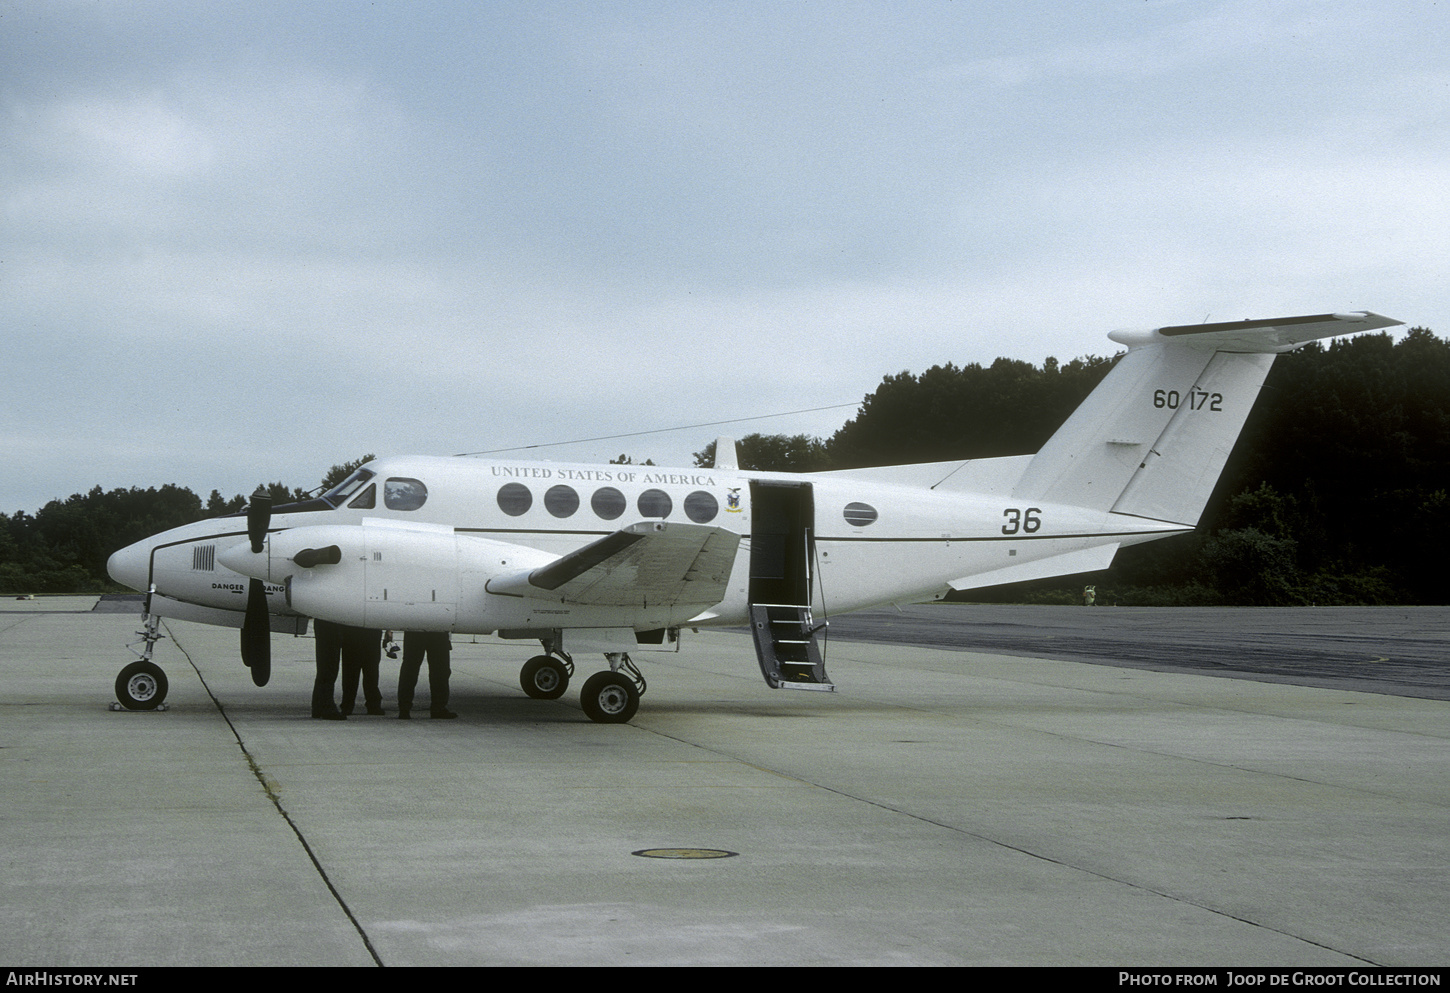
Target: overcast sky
246	241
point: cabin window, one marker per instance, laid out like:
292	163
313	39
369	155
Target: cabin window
608	503
561	501
655	503
366	500
701	507
404	494
515	499
858	515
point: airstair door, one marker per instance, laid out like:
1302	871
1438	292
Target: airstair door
782	540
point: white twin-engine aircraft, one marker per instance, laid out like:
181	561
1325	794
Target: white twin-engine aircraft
618	558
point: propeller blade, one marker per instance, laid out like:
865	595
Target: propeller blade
257	634
259	518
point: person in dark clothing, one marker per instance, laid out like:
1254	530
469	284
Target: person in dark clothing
362	651
329	645
436	646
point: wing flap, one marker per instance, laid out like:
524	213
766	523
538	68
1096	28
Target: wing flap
651	564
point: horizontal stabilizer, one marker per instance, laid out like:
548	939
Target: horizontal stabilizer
1085	560
1274	334
651	564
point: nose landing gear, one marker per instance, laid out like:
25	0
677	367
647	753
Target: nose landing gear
142	685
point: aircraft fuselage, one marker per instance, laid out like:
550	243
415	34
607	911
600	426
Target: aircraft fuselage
425	536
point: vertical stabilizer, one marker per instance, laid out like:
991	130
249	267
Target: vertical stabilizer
1179	471
1152	439
1094	455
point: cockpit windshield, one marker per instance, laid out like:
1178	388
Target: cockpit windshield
338	495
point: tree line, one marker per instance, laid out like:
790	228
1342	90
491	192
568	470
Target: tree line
1337	492
64	546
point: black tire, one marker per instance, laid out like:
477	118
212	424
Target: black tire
609	698
544	677
141	686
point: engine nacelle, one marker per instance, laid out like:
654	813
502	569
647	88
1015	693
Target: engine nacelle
381	574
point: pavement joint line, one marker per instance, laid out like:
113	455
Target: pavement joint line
1248	770
276	800
1017	848
22	618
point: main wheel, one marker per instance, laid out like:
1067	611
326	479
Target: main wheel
544	677
141	686
609	698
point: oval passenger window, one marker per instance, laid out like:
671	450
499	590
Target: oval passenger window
515	499
608	503
561	500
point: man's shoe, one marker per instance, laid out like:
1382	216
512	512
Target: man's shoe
377	712
442	715
403	715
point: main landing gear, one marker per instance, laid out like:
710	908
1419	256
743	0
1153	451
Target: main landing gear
608	697
544	677
613	697
142	685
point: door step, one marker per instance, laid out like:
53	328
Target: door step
785	644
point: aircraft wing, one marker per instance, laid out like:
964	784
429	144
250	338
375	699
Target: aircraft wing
654	563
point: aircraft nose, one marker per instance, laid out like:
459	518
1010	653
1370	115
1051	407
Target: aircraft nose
130	566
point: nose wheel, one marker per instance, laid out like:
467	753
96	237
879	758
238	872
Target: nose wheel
141	686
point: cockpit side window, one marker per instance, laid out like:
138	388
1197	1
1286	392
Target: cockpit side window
404	494
340	493
366	500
